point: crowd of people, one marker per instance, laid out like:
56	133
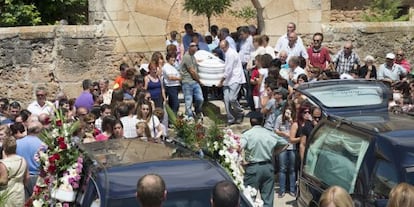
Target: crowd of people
263	75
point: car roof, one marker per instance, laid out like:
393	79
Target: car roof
179	175
347	96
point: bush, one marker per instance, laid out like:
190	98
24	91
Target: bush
384	11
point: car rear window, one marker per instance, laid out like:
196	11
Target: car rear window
348	95
334	157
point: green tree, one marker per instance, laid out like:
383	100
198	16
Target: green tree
18	13
247	13
384	11
73	11
208	8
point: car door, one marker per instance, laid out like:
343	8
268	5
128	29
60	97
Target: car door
342	97
333	156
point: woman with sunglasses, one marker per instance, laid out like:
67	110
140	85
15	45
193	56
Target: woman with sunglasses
301	128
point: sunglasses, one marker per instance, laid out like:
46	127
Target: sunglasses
317	40
347	48
306	112
193	45
40	95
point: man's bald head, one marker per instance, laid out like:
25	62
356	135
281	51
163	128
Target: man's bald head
225	194
151	190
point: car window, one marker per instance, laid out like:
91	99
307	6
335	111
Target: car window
334	157
348	95
385	178
409	176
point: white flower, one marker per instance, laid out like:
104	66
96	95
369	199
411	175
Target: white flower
38	203
221	152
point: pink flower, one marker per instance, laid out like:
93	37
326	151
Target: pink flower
65	204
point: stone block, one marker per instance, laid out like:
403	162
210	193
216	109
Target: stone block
278	9
277	26
41	73
301	5
113	5
326	15
129	5
141	24
13	75
315	16
76	31
8	32
309	27
155	8
140	44
36	32
23	56
116	16
72	90
115	28
21	91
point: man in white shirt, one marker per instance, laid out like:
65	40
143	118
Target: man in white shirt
246	49
295	48
295	69
283	40
231	82
390	71
41	106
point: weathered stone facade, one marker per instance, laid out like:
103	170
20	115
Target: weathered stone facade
60	57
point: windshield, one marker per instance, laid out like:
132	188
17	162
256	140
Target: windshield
348	95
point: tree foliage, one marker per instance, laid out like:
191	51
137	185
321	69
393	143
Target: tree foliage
384	11
18	13
247	13
36	12
208	8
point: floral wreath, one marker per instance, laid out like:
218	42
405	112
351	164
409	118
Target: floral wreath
61	165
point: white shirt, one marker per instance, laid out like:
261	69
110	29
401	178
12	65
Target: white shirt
169	70
233	69
169	42
285	40
269	50
263	72
231	42
297	50
296	72
36	109
392	73
129	124
246	49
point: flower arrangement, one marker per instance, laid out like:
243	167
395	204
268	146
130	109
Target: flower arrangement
220	144
61	165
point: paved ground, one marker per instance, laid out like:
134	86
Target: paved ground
218	107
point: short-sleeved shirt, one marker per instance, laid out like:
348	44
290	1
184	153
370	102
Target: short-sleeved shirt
392	73
27	147
319	58
188	62
284	127
259	142
345	64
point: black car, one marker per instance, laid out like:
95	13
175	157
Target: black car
116	165
358	145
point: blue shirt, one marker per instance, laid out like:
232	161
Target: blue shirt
27	148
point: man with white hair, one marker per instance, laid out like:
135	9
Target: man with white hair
346	59
283	40
390	71
41	105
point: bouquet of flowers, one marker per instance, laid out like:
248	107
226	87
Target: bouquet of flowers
61	165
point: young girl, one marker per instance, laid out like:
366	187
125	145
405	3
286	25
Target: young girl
143	131
254	80
108	124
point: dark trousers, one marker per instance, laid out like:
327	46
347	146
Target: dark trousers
172	95
248	89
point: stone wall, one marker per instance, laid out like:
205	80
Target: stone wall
58	57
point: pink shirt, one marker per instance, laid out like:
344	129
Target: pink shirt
101	137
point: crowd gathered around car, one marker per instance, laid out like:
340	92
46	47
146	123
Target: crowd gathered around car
133	106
